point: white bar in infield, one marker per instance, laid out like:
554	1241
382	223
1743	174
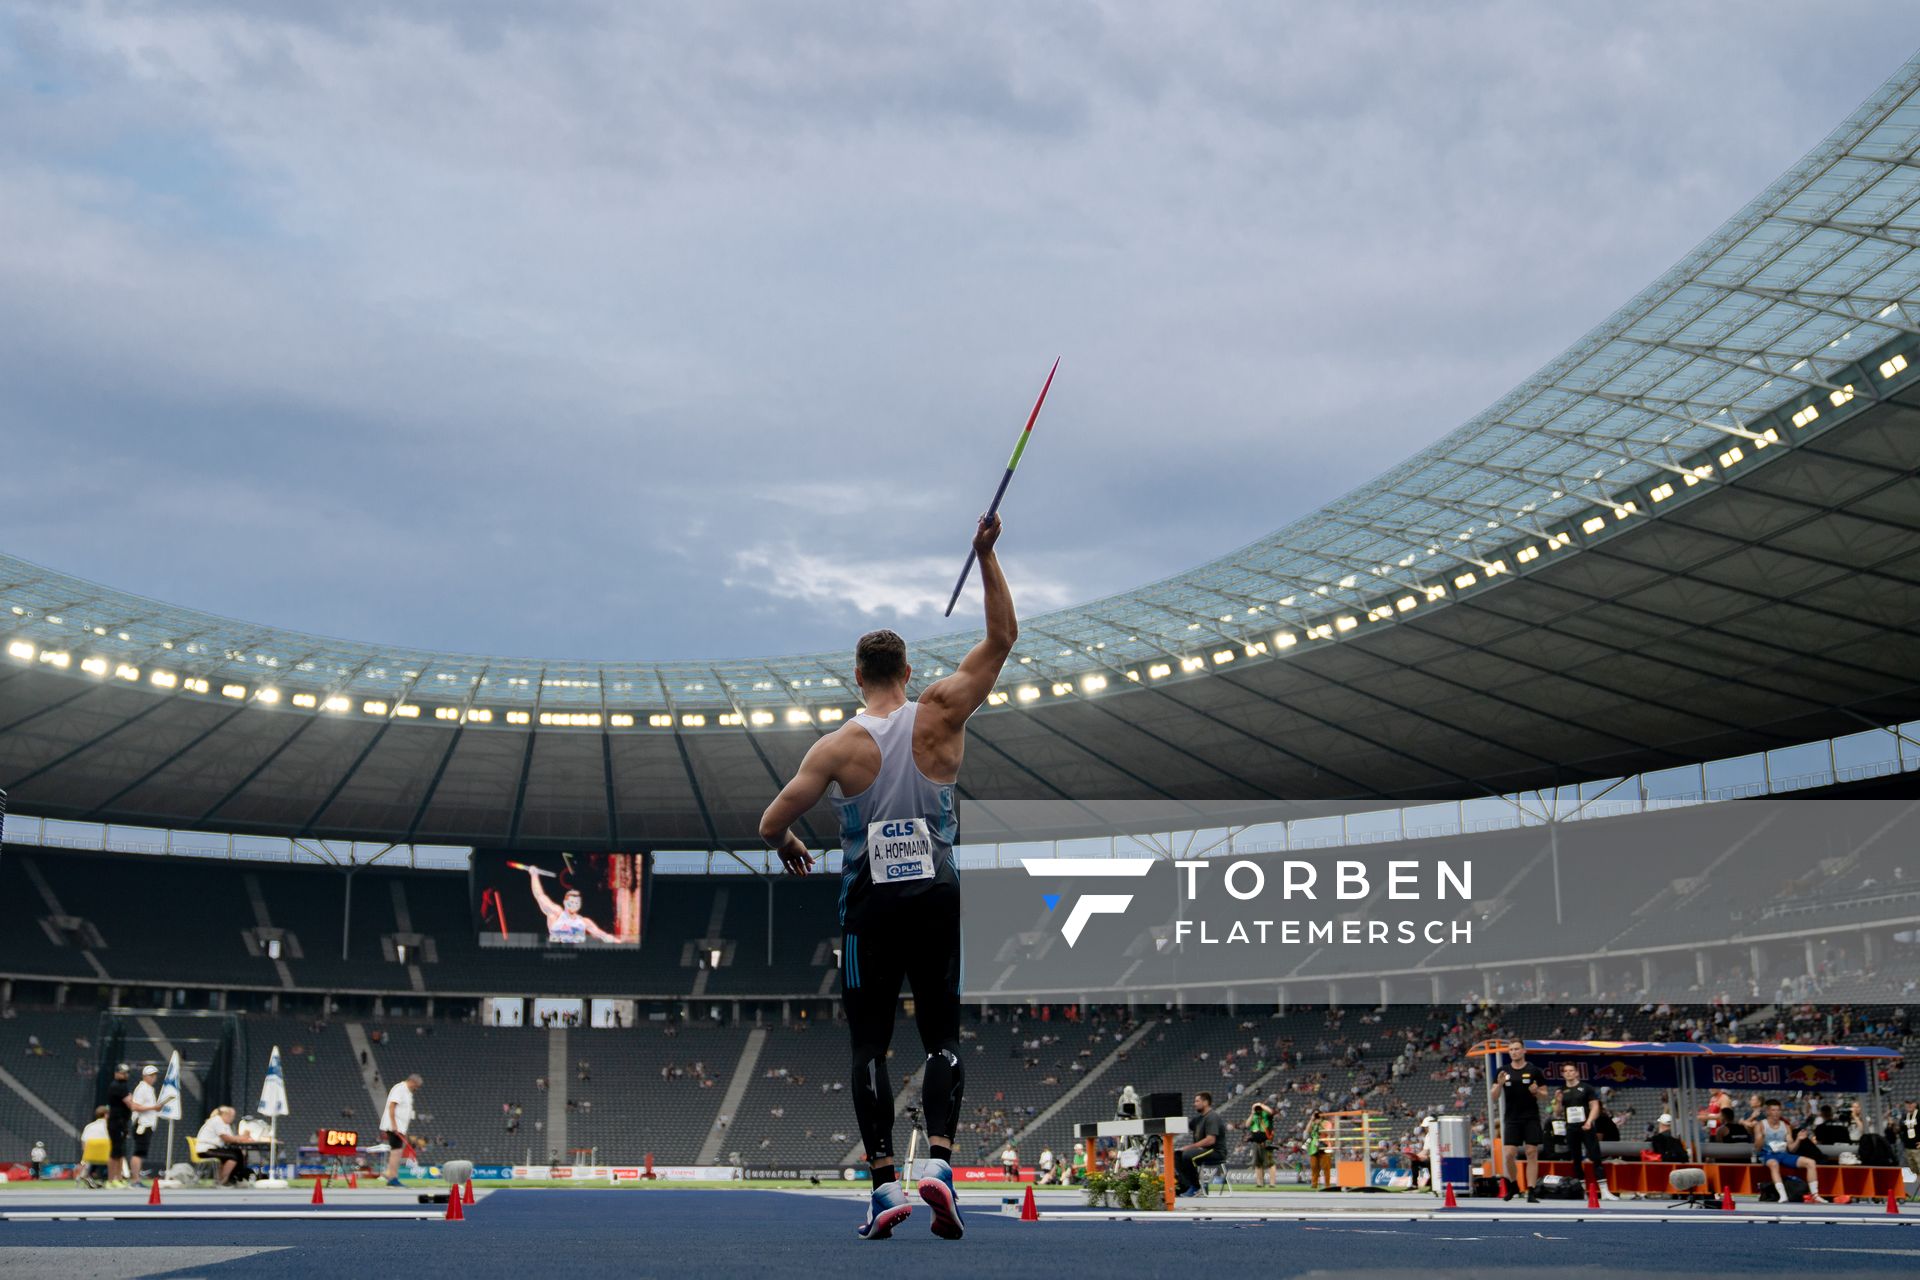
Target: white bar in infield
1088	866
145	1214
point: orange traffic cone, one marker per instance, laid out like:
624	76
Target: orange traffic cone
454	1212
317	1197
1726	1199
1503	1187
1029	1211
1450	1202
1593	1193
153	1196
466	1192
1893	1203
353	1179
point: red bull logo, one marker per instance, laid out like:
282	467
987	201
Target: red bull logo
1619	1072
1809	1076
1803	1075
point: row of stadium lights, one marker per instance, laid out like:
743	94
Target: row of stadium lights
1088	684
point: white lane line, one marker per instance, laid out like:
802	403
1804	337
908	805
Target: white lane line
198	1215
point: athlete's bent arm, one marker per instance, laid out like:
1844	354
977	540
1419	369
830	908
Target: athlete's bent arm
804	792
960	694
540	898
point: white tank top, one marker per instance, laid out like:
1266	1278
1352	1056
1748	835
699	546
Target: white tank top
896	837
1775	1137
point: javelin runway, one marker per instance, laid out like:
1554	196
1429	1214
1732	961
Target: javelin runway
677	1234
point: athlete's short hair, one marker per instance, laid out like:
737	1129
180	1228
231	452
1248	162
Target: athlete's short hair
881	656
1204	1096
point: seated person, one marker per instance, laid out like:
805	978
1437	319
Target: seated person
1774	1140
1606	1128
1729	1129
1205	1147
1663	1142
1829	1128
218	1140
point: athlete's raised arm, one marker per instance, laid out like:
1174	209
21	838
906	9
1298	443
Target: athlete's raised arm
540	898
811	781
960	694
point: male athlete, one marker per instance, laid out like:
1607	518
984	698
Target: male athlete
1521	1088
1582	1110
892	771
564	922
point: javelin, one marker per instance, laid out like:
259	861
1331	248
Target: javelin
1019	448
539	871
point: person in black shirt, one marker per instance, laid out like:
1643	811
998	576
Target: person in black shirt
1830	1128
1584	1109
1664	1143
1206	1145
1905	1132
1521	1088
1729	1129
119	1120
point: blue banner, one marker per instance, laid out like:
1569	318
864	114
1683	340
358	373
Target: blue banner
1834	1075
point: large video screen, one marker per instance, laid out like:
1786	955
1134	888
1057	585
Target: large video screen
560	899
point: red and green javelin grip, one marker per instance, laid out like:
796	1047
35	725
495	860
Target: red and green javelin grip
1020	447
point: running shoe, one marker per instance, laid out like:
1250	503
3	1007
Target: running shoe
887	1210
395	1182
936	1188
1606	1192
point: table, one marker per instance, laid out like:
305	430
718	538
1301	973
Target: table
1157	1126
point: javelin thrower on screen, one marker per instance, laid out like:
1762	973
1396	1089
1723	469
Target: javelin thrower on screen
564	921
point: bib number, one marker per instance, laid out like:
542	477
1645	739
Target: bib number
1576	1115
900	850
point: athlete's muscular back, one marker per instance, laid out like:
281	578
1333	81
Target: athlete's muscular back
939	743
850	758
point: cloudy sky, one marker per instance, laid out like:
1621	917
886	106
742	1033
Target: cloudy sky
676	330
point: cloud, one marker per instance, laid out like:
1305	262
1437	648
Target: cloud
526	329
901	589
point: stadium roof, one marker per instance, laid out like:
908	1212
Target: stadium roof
1696	532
